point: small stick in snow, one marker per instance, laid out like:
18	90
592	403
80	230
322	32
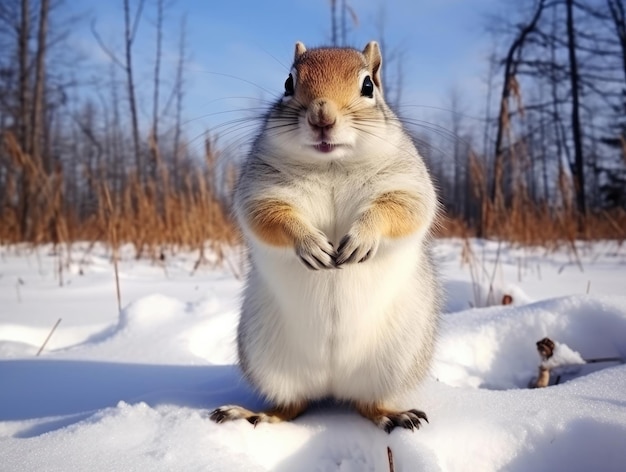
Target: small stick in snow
49	336
390	459
546	350
60	266
17	289
604	359
117	280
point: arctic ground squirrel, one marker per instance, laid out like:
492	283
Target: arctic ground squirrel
336	205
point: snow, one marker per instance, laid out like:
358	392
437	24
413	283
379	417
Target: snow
132	390
563	355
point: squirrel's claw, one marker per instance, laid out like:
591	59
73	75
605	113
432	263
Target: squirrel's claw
316	252
353	248
388	420
411	419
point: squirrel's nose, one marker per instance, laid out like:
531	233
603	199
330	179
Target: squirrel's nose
323	122
322	114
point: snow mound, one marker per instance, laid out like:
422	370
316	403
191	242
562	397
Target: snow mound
162	329
563	355
149	312
495	347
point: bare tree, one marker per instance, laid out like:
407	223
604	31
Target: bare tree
38	96
459	160
394	57
339	25
508	84
617	9
179	95
156	88
130	31
613	189
579	166
22	119
131	26
571	67
23	74
334	29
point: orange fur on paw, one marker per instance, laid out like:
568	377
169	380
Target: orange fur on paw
274	222
278	224
396	214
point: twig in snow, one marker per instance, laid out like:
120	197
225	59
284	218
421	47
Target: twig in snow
490	295
60	266
235	270
604	359
17	289
390	459
49	336
117	280
546	348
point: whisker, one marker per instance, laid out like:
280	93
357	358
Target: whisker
230	76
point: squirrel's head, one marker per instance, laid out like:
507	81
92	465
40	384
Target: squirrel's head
333	105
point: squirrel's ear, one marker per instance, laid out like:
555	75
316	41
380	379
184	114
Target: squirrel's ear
300	49
374	61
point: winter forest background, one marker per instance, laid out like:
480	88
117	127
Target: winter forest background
98	157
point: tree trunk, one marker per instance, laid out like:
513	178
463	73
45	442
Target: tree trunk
618	16
130	83
178	91
155	96
510	69
38	96
24	79
333	23
579	164
23	128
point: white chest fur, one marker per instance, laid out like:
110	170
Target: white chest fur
340	332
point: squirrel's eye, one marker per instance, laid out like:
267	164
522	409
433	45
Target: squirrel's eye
367	89
289	86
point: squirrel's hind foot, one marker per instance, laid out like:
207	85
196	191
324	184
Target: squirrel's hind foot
388	420
274	415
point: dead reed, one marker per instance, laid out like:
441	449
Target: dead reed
151	213
532	225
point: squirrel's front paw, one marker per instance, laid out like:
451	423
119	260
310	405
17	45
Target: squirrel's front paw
356	246
315	251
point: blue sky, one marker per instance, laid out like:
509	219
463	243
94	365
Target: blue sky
444	46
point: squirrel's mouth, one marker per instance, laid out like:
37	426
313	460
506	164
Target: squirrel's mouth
325	147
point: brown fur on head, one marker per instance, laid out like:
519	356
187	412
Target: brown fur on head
334	72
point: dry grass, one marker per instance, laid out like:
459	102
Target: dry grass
531	225
152	214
